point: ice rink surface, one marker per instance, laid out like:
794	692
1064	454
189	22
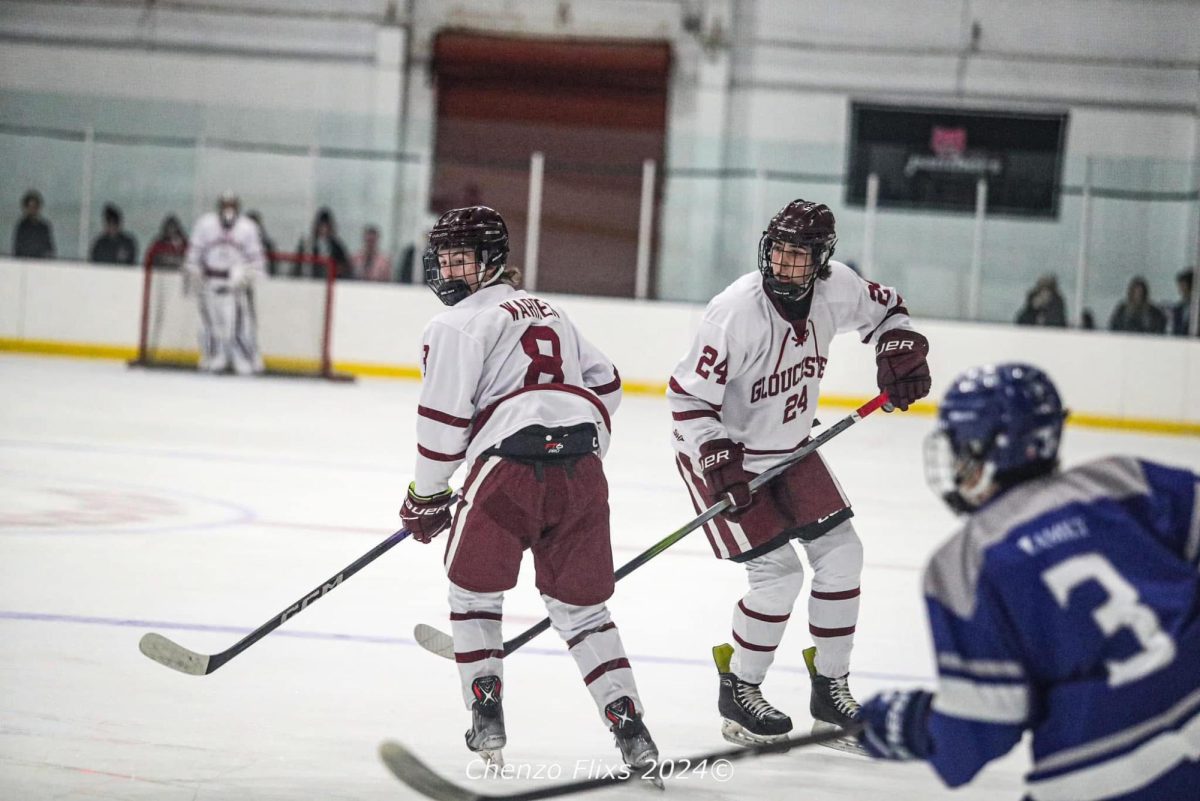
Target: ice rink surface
199	507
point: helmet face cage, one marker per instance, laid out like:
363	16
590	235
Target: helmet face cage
480	231
820	250
228	208
805	225
996	425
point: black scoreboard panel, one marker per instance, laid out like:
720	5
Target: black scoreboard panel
932	158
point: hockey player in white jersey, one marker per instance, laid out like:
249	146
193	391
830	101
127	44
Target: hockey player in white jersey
225	258
742	400
512	388
1067	605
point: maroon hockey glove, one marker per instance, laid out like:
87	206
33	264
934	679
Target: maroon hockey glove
902	371
425	517
721	465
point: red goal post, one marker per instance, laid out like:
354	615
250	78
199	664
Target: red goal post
293	310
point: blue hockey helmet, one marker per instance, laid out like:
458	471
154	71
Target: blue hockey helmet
997	425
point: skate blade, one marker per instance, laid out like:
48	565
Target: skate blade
847	745
737	734
650	778
655	782
491	758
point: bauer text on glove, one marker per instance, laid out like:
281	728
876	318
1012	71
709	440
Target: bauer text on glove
724	475
426	516
901	367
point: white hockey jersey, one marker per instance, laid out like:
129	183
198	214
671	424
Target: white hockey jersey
217	253
754	377
496	362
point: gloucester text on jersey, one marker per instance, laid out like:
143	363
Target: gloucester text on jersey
788	377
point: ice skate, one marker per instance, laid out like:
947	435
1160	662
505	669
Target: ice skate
746	717
831	705
486	736
633	739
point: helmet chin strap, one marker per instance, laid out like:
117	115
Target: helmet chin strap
785	293
495	277
981	489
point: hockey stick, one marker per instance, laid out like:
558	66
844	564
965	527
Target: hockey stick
176	657
405	766
442	644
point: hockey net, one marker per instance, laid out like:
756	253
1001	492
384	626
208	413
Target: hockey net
293	308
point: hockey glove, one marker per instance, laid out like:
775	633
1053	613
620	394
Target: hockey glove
901	369
426	516
724	476
240	276
895	725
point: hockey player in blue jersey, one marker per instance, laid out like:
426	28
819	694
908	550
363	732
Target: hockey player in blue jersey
1068	605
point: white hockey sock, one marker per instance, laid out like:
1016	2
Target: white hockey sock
478	639
836	560
596	646
761	616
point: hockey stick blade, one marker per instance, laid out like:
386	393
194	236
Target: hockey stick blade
434	641
444	643
406	767
173	655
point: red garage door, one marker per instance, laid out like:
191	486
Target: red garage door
596	109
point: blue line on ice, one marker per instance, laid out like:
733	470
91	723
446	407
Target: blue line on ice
42	617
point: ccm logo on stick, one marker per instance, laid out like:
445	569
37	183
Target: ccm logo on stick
312	596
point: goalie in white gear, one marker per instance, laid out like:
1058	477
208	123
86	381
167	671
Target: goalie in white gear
224	259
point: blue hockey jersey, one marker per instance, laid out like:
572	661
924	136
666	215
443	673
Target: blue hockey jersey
1070	606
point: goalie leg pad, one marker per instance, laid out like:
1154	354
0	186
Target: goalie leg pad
244	345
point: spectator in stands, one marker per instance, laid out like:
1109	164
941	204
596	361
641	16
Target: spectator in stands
1044	305
369	263
324	242
1136	313
168	250
411	256
32	237
268	244
114	246
1181	312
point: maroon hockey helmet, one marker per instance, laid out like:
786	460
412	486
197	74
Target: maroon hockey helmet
477	227
804	224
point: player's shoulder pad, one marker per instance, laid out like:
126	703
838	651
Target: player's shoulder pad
1108	477
207	221
474	315
734	300
244	225
952	575
842	283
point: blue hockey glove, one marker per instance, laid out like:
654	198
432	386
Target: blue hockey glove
895	725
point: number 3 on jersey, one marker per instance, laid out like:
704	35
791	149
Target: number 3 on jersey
1121	610
541	345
